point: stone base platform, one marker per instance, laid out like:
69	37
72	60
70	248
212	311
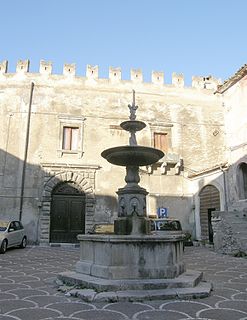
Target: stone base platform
133	268
186	286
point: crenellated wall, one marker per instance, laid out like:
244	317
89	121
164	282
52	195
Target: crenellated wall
115	74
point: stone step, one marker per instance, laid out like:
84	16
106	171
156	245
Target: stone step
190	278
202	290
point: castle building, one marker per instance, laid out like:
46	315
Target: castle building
54	128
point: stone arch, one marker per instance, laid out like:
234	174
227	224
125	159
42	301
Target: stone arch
67	187
82	182
209	201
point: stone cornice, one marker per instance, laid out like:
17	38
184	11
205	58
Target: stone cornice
54	165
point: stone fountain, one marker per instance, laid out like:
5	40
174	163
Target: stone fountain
133	263
132	215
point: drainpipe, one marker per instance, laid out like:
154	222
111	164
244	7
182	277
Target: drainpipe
225	193
26	150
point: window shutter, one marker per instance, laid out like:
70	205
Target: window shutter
74	138
161	141
67	138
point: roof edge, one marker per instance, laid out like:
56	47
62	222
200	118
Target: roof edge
232	80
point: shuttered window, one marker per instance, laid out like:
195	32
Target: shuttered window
70	138
161	141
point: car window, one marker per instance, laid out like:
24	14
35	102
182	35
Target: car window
17	225
166	225
175	225
12	226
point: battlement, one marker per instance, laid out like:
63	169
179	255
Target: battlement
115	74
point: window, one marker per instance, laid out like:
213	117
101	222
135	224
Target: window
70	138
161	141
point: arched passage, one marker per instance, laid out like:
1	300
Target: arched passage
209	202
67	213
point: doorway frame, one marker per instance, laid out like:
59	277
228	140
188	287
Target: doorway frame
84	179
202	238
68	193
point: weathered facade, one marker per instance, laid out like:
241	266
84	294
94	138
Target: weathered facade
230	225
54	128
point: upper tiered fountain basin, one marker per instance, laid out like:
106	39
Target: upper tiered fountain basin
132	155
132	125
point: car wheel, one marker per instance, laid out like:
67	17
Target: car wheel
23	243
4	246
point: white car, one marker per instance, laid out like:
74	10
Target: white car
12	234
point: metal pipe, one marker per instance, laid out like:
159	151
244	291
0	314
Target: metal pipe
225	191
26	151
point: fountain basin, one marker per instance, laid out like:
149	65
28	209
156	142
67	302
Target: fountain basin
131	256
132	155
133	125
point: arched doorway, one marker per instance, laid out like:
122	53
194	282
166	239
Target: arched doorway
67	213
209	202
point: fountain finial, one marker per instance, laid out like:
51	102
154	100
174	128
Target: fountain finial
133	108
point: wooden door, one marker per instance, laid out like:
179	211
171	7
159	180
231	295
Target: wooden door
209	202
67	217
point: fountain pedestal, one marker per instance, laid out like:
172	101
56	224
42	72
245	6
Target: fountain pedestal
132	216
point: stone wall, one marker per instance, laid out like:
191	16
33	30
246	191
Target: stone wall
191	116
230	235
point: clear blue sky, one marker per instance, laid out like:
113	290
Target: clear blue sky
193	37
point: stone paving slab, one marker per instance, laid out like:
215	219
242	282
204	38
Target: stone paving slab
24	297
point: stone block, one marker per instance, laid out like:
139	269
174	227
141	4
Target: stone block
87	295
109	296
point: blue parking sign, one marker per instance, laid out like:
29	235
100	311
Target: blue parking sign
162	212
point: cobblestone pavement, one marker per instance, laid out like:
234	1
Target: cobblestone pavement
27	289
